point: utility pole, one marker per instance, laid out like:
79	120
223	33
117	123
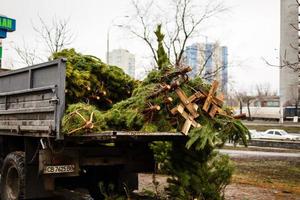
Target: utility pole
0	53
107	46
108	32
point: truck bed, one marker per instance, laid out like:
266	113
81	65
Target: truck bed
115	136
32	100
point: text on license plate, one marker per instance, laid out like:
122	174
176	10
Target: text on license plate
59	169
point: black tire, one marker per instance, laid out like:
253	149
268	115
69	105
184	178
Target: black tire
12	184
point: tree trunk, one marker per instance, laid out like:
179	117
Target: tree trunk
241	107
249	113
296	109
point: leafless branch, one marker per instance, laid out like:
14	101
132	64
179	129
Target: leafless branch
183	20
56	35
28	56
144	35
295	66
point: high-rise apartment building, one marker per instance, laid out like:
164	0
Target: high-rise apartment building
209	60
289	53
123	59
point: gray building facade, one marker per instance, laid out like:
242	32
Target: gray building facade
123	59
289	52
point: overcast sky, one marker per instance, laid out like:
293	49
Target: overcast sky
250	30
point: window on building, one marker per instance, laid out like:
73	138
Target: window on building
272	104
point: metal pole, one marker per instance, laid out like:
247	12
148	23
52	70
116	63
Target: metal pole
107	46
107	37
1	49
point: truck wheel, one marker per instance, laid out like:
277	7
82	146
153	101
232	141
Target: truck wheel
12	177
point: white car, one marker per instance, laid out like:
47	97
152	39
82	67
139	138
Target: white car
279	135
254	134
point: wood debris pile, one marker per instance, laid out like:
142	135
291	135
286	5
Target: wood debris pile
165	101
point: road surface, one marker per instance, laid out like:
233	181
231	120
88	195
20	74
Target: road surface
242	154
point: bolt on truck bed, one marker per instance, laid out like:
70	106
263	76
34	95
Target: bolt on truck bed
32	104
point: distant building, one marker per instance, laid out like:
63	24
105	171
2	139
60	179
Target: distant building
266	101
209	60
123	59
263	107
289	52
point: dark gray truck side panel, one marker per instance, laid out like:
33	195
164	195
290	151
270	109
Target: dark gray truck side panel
32	100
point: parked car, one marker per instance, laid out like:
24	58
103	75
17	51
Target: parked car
254	134
279	135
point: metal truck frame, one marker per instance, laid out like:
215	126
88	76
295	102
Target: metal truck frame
36	158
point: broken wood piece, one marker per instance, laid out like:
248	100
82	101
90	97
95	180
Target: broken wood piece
151	109
189	119
175	84
168	100
240	116
181	71
108	100
186	102
220	97
213	111
178	109
158	92
215	100
94	97
222	112
102	93
186	127
196	96
186	70
188	123
210	96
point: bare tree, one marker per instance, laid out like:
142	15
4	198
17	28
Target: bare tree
246	99
27	55
56	35
264	90
239	99
181	22
285	63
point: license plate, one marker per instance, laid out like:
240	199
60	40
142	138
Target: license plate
58	169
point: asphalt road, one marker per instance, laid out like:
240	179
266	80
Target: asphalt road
242	154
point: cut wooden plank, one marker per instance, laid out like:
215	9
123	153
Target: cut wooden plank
196	96
178	109
186	102
213	111
163	89
186	127
210	96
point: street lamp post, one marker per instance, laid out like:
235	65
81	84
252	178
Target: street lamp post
107	46
108	33
0	53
